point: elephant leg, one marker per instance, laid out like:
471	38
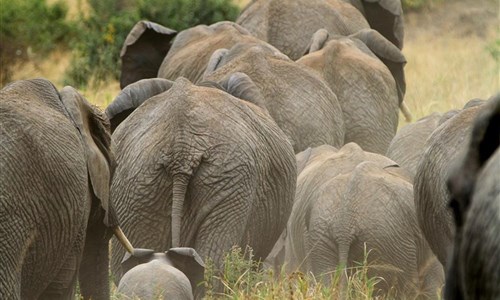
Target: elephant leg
63	284
216	237
10	274
93	273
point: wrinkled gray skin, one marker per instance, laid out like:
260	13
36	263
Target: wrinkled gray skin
200	168
474	270
299	101
193	47
407	147
347	199
289	24
147	51
55	215
368	91
163	275
431	196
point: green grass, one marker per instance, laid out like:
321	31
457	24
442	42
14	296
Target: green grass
243	278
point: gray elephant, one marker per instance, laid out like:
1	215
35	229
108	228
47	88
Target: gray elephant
474	185
188	55
56	217
169	275
193	47
298	100
431	196
200	168
289	24
407	147
347	200
370	105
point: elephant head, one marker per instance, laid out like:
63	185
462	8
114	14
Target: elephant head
474	270
143	51
193	47
384	16
146	272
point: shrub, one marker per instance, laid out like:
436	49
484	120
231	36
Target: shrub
106	27
29	29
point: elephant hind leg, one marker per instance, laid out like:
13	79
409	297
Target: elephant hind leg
63	284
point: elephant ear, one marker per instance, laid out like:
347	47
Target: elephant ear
318	41
386	17
94	131
132	97
484	142
389	54
139	256
143	51
215	61
242	86
188	262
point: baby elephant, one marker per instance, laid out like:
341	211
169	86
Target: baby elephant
173	274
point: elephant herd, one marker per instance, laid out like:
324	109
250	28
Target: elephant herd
276	132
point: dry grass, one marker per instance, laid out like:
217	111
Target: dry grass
445	73
448	60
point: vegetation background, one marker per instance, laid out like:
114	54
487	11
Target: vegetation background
452	48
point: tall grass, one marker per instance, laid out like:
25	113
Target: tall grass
243	278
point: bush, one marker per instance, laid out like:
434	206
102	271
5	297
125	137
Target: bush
29	29
97	50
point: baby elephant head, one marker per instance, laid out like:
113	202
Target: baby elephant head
174	274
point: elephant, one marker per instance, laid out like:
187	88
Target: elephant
149	275
407	147
351	203
186	57
289	24
193	47
200	168
56	216
369	89
474	269
442	147
298	100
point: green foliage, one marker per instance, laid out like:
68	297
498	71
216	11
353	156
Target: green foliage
105	29
29	27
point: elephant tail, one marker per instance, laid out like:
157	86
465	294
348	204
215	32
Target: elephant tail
179	189
343	248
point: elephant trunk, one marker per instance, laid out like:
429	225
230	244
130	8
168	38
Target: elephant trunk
178	194
120	236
